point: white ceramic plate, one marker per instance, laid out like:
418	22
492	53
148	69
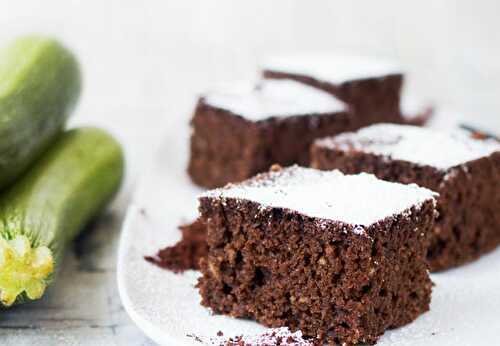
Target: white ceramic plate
465	307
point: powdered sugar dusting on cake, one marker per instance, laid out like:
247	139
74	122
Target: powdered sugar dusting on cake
272	337
274	98
335	69
440	149
359	230
359	200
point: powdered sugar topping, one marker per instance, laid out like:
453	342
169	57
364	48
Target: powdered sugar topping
359	200
275	336
274	98
335	69
440	149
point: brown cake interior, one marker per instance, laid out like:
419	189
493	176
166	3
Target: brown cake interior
226	147
284	269
186	253
469	202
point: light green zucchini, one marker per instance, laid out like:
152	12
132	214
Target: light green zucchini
44	210
39	85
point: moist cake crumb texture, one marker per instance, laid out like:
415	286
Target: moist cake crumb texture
274	98
272	259
423	146
186	253
352	199
239	132
463	169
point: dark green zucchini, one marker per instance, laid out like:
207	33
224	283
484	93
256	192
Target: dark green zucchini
39	86
44	210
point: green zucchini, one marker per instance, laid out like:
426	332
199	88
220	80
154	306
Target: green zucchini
39	85
44	210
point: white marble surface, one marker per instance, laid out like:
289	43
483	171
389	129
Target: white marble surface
144	61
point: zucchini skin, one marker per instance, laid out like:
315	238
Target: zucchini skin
65	189
40	83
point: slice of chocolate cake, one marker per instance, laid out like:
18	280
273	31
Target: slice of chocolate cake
371	86
238	133
464	170
339	257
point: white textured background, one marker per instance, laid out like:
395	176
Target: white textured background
151	56
144	60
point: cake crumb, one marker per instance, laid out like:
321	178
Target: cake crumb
275	168
195	337
272	337
186	253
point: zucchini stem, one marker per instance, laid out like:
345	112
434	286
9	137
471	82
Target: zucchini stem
23	269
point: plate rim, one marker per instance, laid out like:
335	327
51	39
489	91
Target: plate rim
152	331
147	327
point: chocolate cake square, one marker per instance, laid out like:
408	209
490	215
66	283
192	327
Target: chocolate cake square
339	257
464	170
241	131
371	86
